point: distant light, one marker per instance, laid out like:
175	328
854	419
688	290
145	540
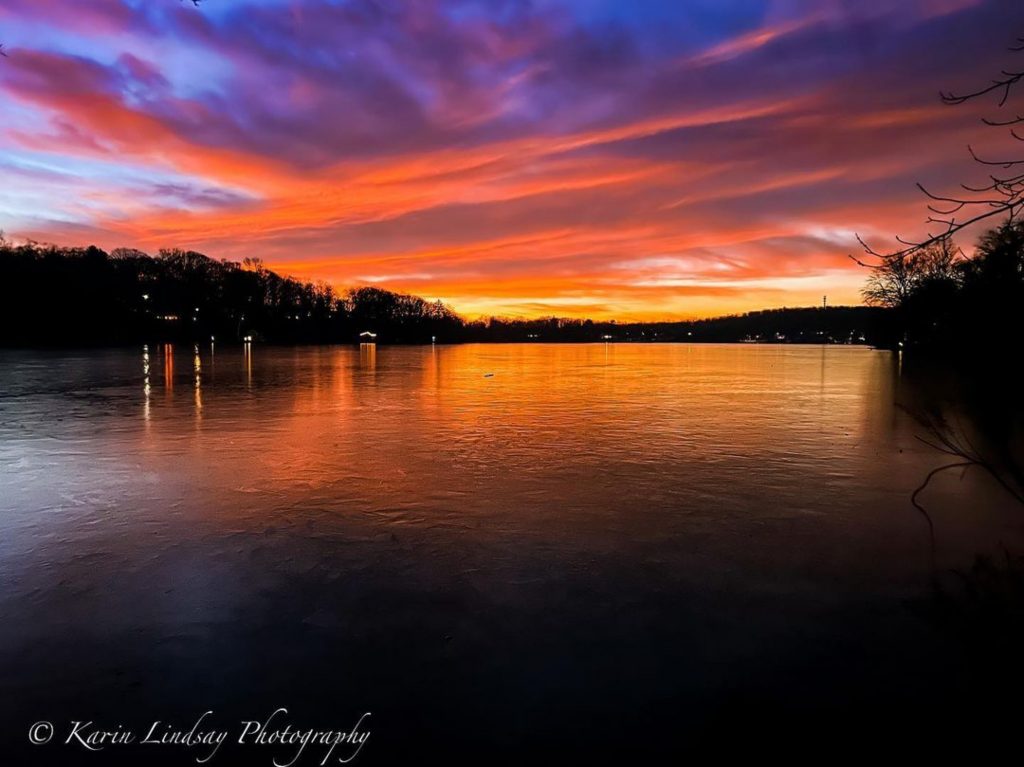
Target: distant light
145	296
247	339
212	339
367	334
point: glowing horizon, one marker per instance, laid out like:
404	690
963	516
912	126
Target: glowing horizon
602	159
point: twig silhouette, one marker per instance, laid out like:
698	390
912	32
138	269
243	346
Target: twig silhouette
1000	195
953	440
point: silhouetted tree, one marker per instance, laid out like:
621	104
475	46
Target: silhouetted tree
400	317
921	287
74	295
899	277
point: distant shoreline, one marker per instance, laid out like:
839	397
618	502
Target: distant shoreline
355	345
85	297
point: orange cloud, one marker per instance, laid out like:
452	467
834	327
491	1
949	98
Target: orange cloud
530	165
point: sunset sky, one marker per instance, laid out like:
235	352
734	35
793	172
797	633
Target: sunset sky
633	159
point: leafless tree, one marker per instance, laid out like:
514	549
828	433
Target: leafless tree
898	276
1000	194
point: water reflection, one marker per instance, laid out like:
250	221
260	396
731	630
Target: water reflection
146	388
368	356
687	515
168	370
197	369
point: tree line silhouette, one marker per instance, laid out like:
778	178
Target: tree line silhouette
74	296
70	296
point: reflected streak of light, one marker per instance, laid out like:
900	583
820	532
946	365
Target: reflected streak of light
169	369
146	388
197	366
821	373
368	356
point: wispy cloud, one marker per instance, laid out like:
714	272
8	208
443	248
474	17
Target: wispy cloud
514	157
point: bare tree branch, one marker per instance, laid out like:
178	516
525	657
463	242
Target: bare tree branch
1002	196
1004	84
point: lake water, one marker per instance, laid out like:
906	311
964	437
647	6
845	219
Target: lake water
498	551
